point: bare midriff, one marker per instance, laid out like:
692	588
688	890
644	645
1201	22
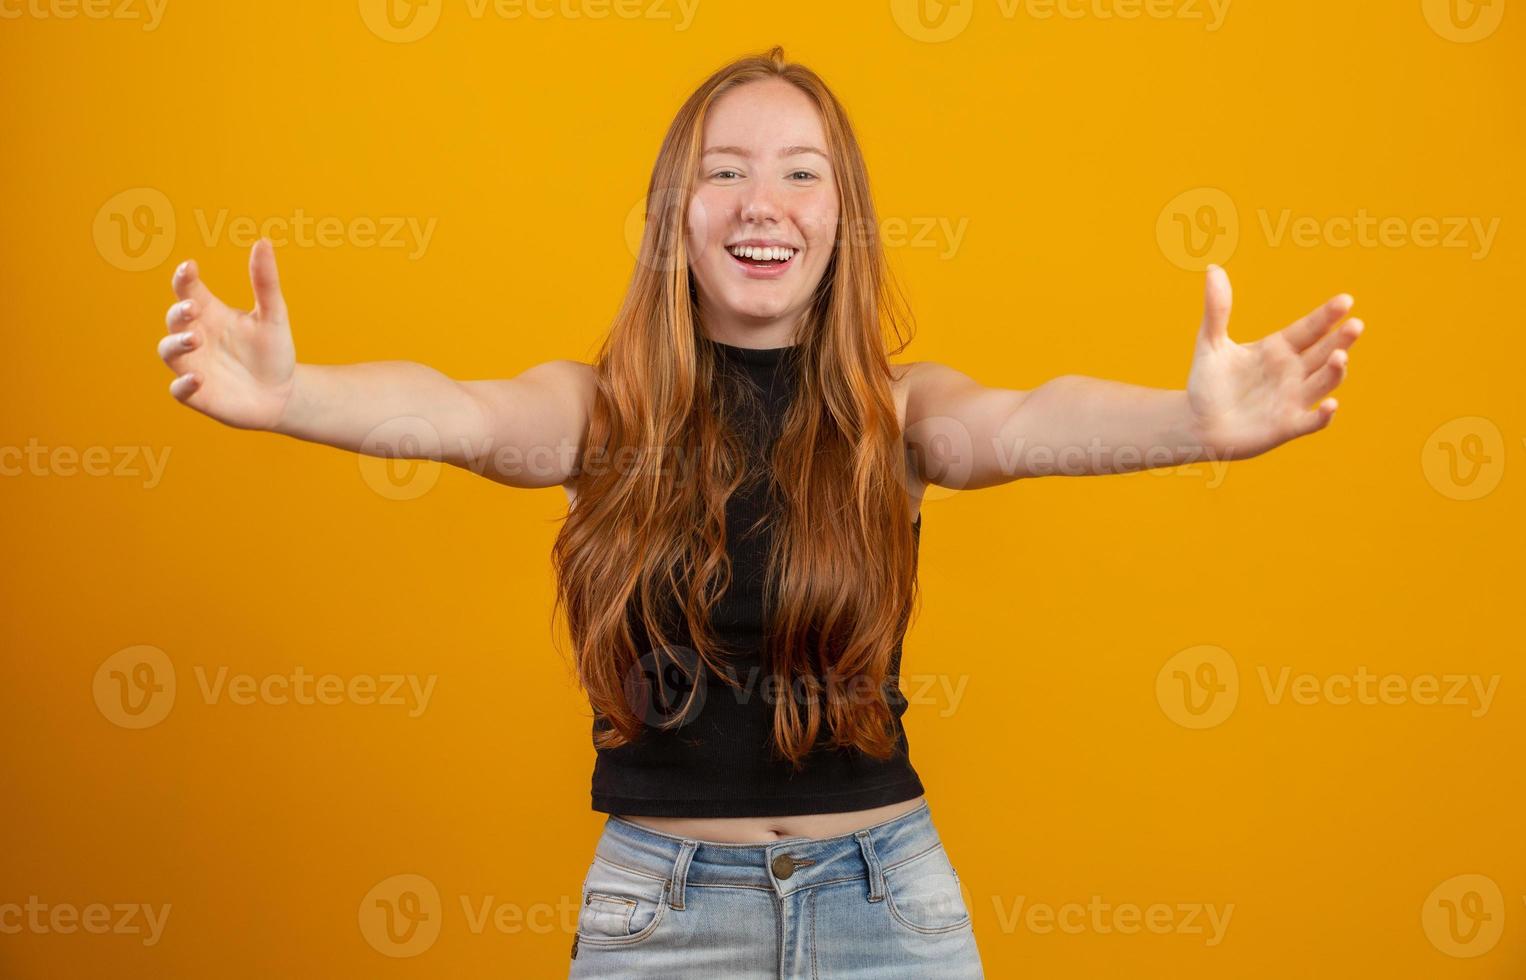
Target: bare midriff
766	830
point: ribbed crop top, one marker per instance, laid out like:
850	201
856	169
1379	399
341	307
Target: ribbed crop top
719	763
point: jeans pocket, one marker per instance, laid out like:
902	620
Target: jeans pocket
621	905
924	893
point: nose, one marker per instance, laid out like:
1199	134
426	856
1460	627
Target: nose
760	203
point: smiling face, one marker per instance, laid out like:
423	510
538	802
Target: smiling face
766	184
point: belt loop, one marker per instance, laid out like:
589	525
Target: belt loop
876	876
681	873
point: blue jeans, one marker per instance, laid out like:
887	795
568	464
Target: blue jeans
883	902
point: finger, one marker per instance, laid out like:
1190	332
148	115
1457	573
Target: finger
1315	418
180	314
1217	299
1309	328
185	386
268	301
174	345
188	285
1322	382
1340	338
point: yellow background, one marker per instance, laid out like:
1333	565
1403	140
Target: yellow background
1334	831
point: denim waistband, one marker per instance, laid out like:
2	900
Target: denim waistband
864	853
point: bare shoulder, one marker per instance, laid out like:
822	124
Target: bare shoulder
576	383
901	376
565	374
535	421
954	426
918	383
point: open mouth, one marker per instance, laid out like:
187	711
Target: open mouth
763	257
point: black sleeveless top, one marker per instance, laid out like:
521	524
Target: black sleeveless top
718	763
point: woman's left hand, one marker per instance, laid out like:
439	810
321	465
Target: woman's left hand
1247	398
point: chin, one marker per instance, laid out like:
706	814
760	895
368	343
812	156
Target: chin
760	311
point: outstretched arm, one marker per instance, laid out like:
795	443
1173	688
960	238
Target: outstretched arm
239	367
1240	401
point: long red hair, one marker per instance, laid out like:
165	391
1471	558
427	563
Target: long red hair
649	520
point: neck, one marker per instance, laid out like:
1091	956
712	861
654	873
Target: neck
743	331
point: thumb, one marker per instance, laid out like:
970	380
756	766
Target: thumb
268	302
1217	298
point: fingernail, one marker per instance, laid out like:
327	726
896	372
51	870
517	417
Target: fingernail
185	339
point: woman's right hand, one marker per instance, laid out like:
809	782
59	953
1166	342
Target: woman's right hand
236	366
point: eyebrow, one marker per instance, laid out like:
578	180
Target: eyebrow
788	151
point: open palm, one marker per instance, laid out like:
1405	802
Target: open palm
1248	398
233	365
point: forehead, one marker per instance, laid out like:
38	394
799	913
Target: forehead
763	118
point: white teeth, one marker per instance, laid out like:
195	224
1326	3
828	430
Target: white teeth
772	253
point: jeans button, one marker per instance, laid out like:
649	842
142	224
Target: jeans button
783	866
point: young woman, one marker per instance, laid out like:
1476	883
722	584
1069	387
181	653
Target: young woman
745	472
